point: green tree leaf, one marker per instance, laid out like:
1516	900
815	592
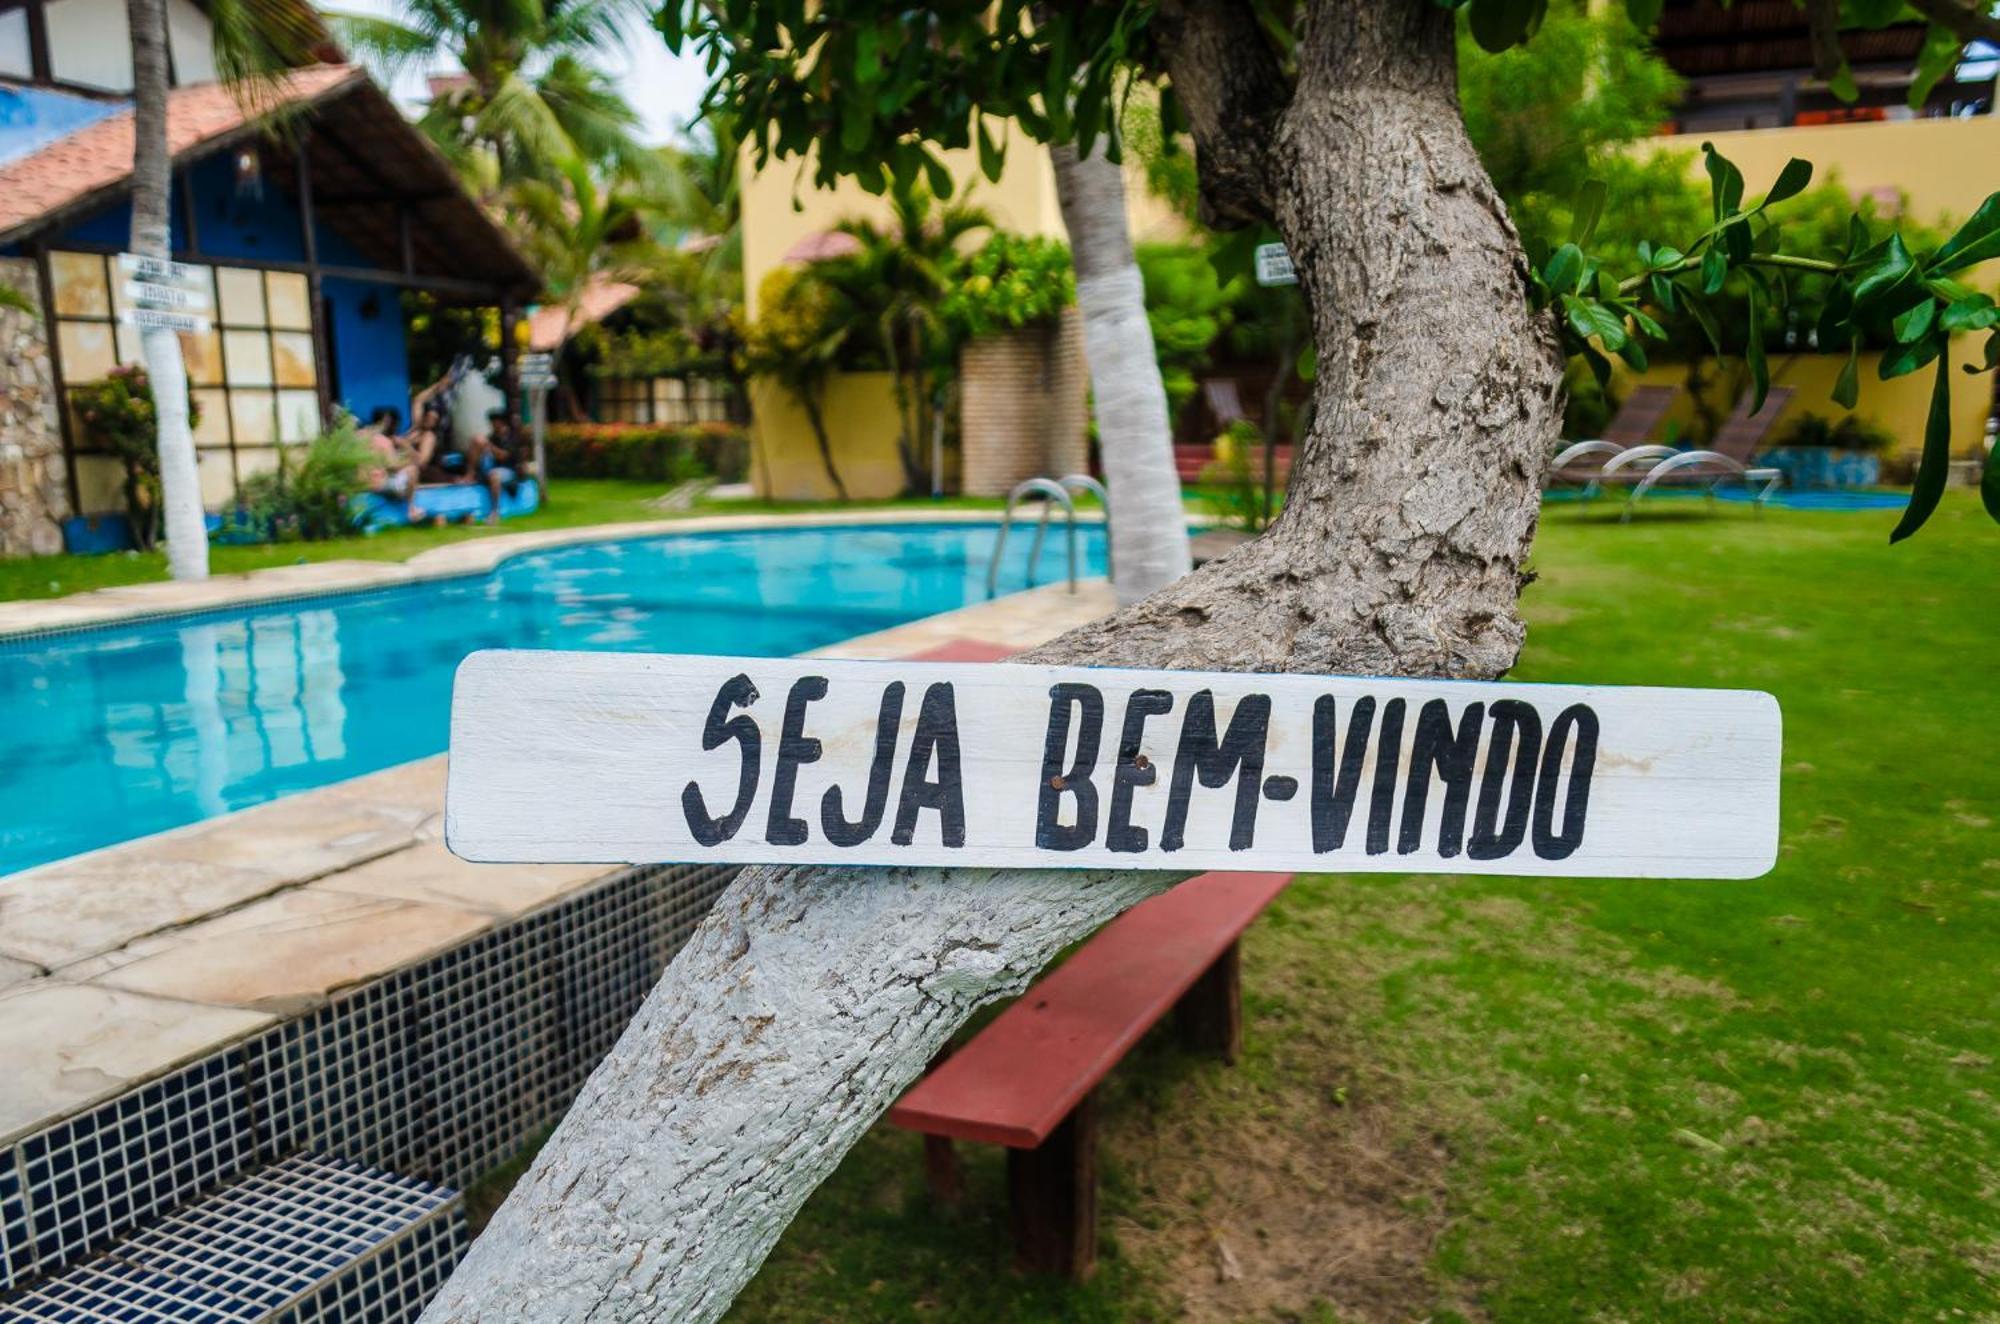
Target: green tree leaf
1565	265
1912	325
1879	282
1714	270
1792	180
1588	318
1935	466
1902	360
1847	390
1753	350
1725	181
1643	13
1589	210
991	159
1975	241
1499	25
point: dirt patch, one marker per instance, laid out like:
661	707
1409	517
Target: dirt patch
1312	1210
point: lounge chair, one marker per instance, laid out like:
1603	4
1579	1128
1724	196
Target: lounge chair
1580	463
1730	457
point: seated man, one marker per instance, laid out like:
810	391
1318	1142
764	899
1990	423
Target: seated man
393	474
443	459
503	458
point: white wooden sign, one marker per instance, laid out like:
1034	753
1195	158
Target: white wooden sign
176	297
627	757
1274	265
159	271
147	319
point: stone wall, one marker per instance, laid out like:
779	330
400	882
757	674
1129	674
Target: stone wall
34	490
1023	406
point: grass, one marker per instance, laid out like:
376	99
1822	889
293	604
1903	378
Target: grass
1531	1100
576	502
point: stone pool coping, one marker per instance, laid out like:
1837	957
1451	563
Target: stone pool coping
124	963
471	556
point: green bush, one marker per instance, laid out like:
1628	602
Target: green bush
116	413
1009	282
1851	433
647	453
309	497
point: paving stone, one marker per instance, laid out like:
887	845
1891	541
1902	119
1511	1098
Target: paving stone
14	972
67	1046
96	903
284	954
300	837
430	873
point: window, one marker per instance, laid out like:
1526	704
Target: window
671	401
253	375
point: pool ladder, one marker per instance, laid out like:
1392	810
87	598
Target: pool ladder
1052	491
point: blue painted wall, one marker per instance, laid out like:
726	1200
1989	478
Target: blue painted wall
369	347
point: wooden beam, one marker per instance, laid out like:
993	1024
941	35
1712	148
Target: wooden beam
309	233
39	63
471	290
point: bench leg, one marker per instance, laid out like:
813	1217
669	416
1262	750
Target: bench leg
1210	1014
1052	1193
942	1172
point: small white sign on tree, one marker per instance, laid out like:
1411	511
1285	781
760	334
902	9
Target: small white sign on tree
647	758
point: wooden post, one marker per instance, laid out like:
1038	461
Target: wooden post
315	295
942	1171
510	376
1052	1195
1209	1015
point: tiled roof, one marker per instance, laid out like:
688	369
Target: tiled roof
601	298
99	156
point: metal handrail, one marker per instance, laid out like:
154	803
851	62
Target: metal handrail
1050	491
1085	483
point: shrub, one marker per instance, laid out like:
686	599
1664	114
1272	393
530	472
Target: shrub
1009	282
647	453
116	414
309	497
1238	496
1851	433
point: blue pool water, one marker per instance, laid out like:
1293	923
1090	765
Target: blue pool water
116	732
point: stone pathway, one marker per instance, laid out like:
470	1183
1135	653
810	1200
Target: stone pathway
119	965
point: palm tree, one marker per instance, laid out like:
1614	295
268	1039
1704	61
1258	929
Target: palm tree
530	97
580	230
903	273
253	39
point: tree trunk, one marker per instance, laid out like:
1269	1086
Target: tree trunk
152	173
810	998
1149	540
810	400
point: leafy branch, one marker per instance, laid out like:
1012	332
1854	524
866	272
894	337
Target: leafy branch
1876	292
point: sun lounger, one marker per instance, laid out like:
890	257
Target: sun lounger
1730	458
1580	463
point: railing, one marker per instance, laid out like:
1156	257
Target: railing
1051	492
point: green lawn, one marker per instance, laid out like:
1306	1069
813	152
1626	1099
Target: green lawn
1533	1100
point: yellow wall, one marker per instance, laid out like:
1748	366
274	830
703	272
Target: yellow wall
781	207
860	413
1900	406
1946	167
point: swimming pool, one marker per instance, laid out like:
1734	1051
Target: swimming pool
119	731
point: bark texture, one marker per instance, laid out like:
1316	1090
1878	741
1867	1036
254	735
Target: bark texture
180	484
1149	541
810	998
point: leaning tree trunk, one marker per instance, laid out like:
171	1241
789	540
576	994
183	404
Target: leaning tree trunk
1149	541
180	485
811	997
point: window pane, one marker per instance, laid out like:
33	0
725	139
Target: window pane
298	415
253	414
291	304
218	477
240	296
213	427
292	358
15	57
88	352
247	357
131	345
80	289
204	357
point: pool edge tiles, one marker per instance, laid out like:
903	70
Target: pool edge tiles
235	863
468	558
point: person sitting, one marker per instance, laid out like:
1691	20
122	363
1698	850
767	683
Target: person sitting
393	475
502	460
444	458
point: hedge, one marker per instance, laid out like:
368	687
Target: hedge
652	454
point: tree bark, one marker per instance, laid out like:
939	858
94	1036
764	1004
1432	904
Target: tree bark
152	173
810	998
1149	541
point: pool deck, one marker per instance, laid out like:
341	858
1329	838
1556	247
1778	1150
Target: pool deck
121	964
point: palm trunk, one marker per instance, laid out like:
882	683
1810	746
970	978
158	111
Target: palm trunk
152	173
811	997
1149	540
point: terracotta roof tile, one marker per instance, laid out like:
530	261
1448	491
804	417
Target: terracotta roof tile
99	156
601	298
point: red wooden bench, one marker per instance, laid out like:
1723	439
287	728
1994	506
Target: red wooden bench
1029	1079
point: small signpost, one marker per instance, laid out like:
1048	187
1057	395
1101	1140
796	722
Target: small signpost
537	375
1274	266
656	758
164	295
